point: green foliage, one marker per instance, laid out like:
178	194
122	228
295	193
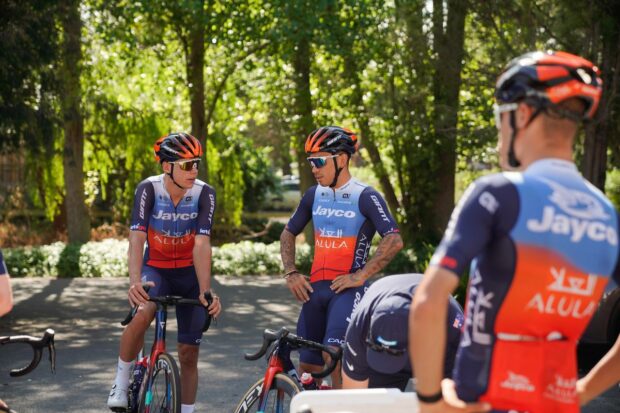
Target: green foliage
612	187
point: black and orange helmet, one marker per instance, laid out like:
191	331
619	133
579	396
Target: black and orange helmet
544	79
332	139
175	146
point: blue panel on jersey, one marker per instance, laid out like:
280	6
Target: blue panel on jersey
569	217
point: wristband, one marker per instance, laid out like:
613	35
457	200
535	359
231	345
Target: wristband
288	274
433	398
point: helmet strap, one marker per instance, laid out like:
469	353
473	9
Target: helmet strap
512	158
172	177
338	170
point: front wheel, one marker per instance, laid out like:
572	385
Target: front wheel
164	393
276	400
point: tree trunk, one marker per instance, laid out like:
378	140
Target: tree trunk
196	81
78	221
303	109
602	132
449	49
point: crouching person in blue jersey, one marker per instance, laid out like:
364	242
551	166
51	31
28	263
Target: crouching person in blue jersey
375	350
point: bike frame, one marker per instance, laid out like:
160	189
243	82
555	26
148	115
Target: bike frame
159	347
279	362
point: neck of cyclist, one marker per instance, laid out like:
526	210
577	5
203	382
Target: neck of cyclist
545	137
175	190
343	178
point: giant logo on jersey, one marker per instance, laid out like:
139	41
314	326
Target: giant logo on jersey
581	216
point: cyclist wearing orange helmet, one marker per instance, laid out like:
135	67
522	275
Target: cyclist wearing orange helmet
345	214
172	215
543	243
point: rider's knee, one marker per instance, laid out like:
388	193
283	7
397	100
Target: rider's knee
188	354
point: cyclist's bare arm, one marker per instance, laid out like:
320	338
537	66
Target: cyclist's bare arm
605	374
349	383
6	295
386	250
296	282
202	255
427	331
137	295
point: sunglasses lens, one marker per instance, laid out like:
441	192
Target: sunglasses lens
317	162
189	165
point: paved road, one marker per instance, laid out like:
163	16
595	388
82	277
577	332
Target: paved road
85	314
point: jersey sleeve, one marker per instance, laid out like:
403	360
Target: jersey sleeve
3	270
206	209
616	274
490	203
354	355
456	320
303	213
143	201
373	206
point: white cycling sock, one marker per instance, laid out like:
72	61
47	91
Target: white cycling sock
187	408
122	374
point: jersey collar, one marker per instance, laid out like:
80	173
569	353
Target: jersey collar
546	164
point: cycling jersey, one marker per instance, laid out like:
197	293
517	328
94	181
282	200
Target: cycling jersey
171	229
544	243
345	220
3	270
355	363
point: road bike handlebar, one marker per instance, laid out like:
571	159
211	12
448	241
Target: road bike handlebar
37	344
296	342
174	300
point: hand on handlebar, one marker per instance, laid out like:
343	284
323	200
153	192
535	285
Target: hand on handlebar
216	306
137	295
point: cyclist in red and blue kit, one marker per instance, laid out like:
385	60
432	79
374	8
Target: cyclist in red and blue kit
542	242
345	214
172	215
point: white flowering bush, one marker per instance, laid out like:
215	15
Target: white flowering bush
108	258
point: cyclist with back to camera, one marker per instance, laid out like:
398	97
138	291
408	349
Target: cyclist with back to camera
345	214
544	243
6	298
375	349
172	214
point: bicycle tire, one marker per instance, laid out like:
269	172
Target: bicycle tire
162	402
282	386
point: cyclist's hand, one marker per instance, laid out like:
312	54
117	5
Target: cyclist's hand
342	282
216	306
451	403
299	286
137	295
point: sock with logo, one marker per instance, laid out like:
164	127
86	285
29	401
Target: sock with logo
123	372
187	408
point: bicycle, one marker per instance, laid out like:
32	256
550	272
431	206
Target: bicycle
156	383
37	344
281	381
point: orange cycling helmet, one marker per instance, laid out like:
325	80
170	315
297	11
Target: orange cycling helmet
332	139
544	79
175	146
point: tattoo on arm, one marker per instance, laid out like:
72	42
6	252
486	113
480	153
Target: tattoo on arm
287	250
386	250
